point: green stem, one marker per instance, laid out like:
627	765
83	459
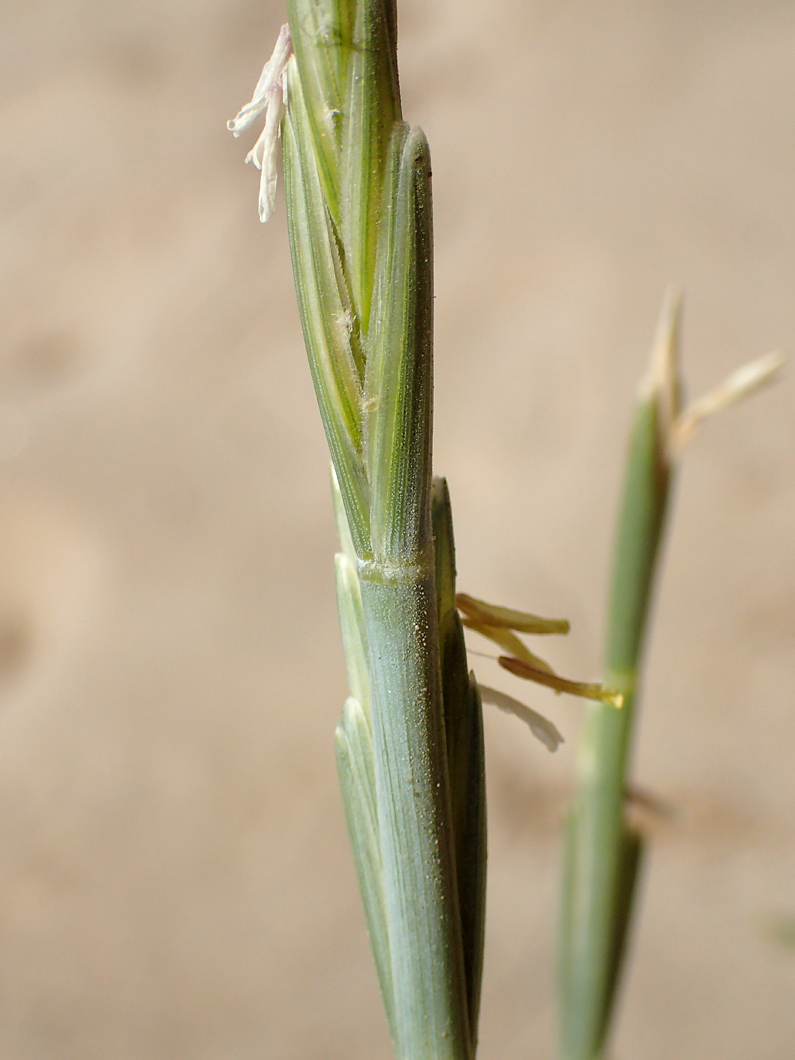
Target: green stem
414	814
603	854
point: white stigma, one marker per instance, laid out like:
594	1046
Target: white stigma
270	98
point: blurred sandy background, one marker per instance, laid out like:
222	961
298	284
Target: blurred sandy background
175	882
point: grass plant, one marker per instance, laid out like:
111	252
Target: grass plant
409	744
603	850
410	740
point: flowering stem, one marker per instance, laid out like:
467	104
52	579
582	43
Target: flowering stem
603	853
358	195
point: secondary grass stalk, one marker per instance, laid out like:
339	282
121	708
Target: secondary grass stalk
603	854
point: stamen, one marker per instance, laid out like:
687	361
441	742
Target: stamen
541	727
